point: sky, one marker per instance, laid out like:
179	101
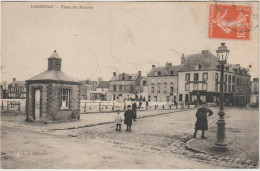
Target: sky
111	37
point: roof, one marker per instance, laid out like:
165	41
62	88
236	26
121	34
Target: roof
54	55
206	60
53	75
165	70
104	84
128	77
18	83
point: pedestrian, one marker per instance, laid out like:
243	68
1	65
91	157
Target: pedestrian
128	118
134	110
118	121
176	104
202	121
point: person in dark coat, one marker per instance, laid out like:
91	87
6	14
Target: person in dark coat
202	121
134	110
128	118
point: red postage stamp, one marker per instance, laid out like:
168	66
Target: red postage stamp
229	21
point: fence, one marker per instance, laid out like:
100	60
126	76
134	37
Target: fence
87	106
13	105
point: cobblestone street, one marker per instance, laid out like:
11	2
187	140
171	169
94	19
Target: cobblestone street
162	137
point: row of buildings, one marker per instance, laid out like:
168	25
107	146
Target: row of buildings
196	79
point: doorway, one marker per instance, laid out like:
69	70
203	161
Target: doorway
37	104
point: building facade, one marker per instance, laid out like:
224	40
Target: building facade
199	81
4	90
163	83
101	91
124	86
17	89
52	95
254	98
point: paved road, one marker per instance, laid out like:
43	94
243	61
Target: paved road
155	142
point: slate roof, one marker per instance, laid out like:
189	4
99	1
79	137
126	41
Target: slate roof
165	70
54	55
128	77
18	83
53	75
104	84
206	60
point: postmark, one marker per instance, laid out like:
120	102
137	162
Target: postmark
229	21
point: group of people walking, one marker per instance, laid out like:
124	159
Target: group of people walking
129	116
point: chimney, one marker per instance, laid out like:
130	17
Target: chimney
114	73
14	79
205	51
153	66
139	73
183	59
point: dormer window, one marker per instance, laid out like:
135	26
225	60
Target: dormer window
159	73
172	72
197	67
123	77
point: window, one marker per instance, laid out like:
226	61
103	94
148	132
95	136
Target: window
225	87
229	78
120	88
238	81
216	78
114	88
172	72
171	92
159	73
204	86
65	98
225	78
196	77
165	89
205	76
158	89
180	97
233	79
152	80
187	87
187	77
158	80
233	88
216	87
152	89
155	98
168	98
229	88
195	86
131	88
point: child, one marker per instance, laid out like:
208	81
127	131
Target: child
118	121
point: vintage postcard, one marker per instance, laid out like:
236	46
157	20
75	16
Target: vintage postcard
130	85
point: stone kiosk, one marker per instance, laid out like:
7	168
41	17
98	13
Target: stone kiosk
52	95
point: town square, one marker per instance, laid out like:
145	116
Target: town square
135	90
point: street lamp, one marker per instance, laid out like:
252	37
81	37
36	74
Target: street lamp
220	144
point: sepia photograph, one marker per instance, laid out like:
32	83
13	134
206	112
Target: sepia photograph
129	85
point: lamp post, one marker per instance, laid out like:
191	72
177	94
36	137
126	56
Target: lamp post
220	144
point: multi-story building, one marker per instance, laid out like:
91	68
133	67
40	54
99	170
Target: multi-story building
124	86
17	89
254	98
163	83
4	89
199	81
143	89
86	87
101	91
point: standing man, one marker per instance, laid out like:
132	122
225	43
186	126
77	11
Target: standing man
128	118
202	120
134	110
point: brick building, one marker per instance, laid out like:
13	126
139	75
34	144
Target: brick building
199	81
17	89
86	87
101	91
52	95
124	86
163	83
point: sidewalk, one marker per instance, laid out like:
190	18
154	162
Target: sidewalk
242	136
86	120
